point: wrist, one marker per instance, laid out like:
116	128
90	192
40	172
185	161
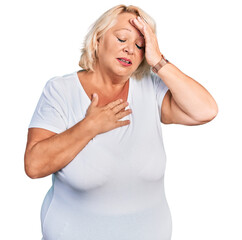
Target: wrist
156	59
161	63
89	126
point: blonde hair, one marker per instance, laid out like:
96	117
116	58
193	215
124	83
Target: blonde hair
88	57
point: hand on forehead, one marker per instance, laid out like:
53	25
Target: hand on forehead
124	21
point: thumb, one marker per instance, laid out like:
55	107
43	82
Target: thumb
94	99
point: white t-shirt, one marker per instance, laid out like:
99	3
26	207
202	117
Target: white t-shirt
114	188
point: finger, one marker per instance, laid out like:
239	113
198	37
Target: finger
94	101
143	19
122	123
119	107
138	24
124	113
113	104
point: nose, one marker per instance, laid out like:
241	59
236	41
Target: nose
129	49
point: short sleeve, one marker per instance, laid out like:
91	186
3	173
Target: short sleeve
51	110
160	90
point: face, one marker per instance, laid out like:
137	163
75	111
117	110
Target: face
121	48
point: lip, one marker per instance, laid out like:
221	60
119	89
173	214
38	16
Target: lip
124	63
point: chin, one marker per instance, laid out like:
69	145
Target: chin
123	73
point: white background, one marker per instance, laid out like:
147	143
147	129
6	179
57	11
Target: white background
42	39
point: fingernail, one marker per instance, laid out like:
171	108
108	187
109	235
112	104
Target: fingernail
94	95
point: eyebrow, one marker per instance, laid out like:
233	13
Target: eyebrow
141	35
123	29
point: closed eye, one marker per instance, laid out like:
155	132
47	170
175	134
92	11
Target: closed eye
139	47
135	44
121	40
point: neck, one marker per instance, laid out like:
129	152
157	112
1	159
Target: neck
109	81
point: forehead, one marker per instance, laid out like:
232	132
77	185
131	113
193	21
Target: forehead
122	24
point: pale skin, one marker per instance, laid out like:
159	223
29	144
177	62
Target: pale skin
186	102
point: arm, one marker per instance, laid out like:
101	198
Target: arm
186	102
47	152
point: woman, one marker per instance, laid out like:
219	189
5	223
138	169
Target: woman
98	132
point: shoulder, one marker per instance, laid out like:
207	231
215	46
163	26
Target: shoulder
155	78
157	82
151	79
60	83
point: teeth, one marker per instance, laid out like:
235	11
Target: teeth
124	60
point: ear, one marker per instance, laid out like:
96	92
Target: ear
99	39
97	43
96	50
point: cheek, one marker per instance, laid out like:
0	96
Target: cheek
107	44
113	47
141	56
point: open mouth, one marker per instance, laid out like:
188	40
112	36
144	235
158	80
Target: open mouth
124	61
